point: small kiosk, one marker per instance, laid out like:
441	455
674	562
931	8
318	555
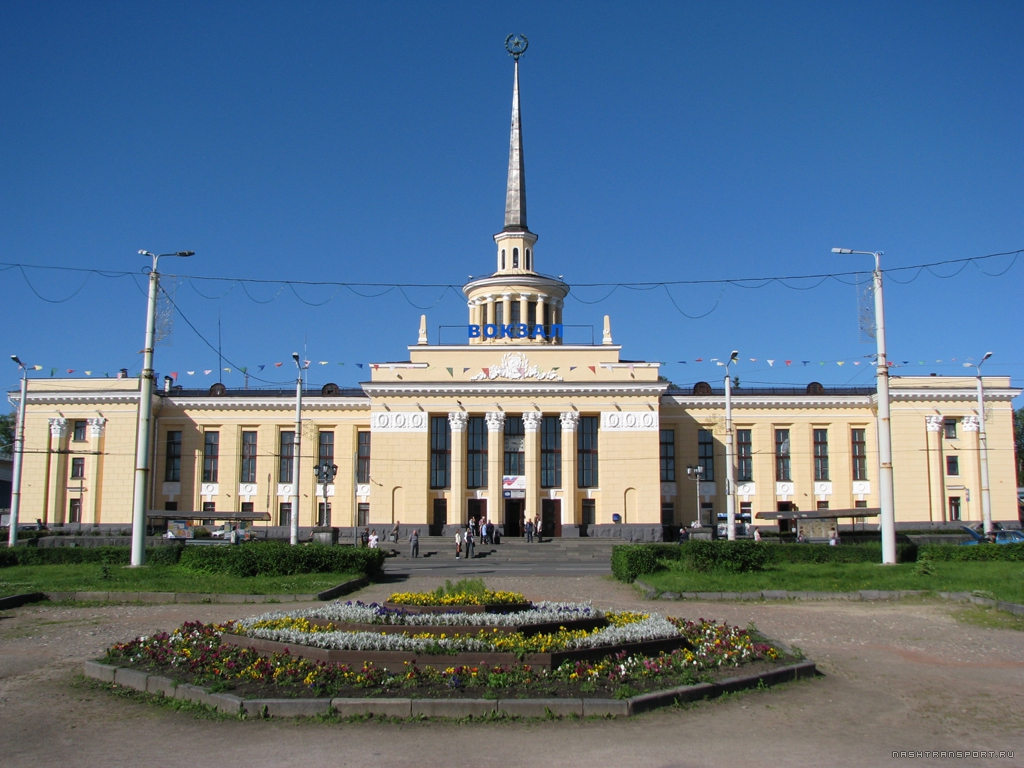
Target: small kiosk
817	525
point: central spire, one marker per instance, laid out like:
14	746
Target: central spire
515	192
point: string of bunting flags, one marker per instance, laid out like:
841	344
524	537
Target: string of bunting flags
782	362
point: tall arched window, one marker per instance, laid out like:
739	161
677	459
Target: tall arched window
502	258
529	259
515	258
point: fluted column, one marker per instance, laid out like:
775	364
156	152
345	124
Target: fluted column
97	426
531	425
58	479
488	312
540	309
495	465
569	419
457	420
524	309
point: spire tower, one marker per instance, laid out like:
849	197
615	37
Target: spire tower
515	189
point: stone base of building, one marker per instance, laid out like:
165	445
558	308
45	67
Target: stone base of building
625	531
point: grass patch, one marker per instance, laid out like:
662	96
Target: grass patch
99	577
1004	580
991	618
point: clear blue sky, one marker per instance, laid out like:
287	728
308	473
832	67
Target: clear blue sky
368	142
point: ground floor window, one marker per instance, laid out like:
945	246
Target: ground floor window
746	511
323	513
363	515
668	513
170	506
589	513
707	513
284	513
822	505
75	511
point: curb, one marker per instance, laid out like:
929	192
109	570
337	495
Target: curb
446	708
868	595
16	601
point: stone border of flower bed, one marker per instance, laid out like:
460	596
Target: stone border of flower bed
461	608
448	708
14	601
651	593
472	659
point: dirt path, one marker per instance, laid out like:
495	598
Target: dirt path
903	676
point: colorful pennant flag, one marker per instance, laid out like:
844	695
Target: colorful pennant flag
450	372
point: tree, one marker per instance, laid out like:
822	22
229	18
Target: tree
8	422
1018	443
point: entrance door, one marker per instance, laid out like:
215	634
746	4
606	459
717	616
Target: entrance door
551	517
514	517
476	509
440	519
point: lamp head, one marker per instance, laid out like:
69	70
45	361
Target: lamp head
986	357
734	355
185	253
17	360
842	250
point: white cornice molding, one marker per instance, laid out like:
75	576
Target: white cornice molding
84	398
717	402
286	402
970	395
533	388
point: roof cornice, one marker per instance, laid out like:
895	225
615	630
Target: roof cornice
535	389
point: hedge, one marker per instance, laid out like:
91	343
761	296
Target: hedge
276	558
75	555
632	560
975	552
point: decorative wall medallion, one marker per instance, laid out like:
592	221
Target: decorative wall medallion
284	489
746	489
822	489
209	489
363	490
708	489
861	487
390	421
783	489
629	421
247	490
171	489
325	490
515	366
668	490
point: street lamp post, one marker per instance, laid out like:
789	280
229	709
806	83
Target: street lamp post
146	386
293	521
885	476
19	456
696	473
325	472
986	496
730	496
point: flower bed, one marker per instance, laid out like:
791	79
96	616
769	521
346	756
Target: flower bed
476	601
198	653
361	617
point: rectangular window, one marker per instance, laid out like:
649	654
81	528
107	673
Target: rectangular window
859	449
248	473
953	466
209	506
949	427
172	468
668	455
515	312
515	445
248	506
170	506
79	431
499	312
286	456
821	505
363	515
860	504
284	513
706	453
78	468
821	455
363	457
326	452
211	457
551	452
586	452
745	456
746	511
782	462
75	511
476	452
589	513
954	507
440	452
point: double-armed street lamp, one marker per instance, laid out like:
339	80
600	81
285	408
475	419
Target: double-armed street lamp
19	456
887	500
325	473
146	387
730	491
293	521
986	496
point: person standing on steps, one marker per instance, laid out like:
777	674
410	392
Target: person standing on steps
458	543
414	543
469	542
395	531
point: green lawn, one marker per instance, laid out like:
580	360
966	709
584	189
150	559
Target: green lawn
1003	580
94	577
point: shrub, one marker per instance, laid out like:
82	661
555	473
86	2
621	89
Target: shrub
978	552
870	552
734	556
76	555
276	558
632	560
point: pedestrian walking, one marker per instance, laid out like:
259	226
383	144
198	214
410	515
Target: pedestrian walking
529	531
414	543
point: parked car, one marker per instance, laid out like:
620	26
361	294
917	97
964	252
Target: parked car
1001	537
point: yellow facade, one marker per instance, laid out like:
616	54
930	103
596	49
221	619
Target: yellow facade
515	422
